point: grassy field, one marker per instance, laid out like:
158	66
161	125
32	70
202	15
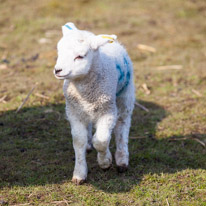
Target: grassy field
167	144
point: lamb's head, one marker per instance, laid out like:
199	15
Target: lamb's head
76	50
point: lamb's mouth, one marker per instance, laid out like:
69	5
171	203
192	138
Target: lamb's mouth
62	76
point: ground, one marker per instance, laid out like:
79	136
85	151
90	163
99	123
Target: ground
167	144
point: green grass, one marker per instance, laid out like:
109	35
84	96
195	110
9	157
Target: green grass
36	153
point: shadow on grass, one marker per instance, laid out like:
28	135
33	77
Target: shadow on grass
36	149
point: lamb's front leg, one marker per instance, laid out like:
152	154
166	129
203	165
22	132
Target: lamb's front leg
102	138
79	135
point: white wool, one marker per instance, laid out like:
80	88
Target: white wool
99	91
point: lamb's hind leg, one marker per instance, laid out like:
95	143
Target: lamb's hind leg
89	144
102	138
121	137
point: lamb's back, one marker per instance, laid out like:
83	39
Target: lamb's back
117	63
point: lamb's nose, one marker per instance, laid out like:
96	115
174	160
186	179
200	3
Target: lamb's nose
57	71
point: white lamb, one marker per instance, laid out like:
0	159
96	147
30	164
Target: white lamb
99	91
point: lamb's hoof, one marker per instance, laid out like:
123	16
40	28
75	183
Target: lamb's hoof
78	181
89	150
106	169
122	168
104	162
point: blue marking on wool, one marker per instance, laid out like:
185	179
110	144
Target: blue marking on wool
122	77
68	27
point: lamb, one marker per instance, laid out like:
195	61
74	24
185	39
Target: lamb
99	92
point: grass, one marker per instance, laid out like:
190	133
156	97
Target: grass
37	157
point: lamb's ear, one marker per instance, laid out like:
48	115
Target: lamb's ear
100	40
68	27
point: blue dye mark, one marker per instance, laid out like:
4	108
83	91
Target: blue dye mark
68	27
122	76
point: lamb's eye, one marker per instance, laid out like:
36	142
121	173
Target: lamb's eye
78	57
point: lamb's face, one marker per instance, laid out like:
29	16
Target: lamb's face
74	57
76	50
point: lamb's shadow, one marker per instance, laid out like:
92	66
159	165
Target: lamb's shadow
36	149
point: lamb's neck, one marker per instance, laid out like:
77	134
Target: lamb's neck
92	80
